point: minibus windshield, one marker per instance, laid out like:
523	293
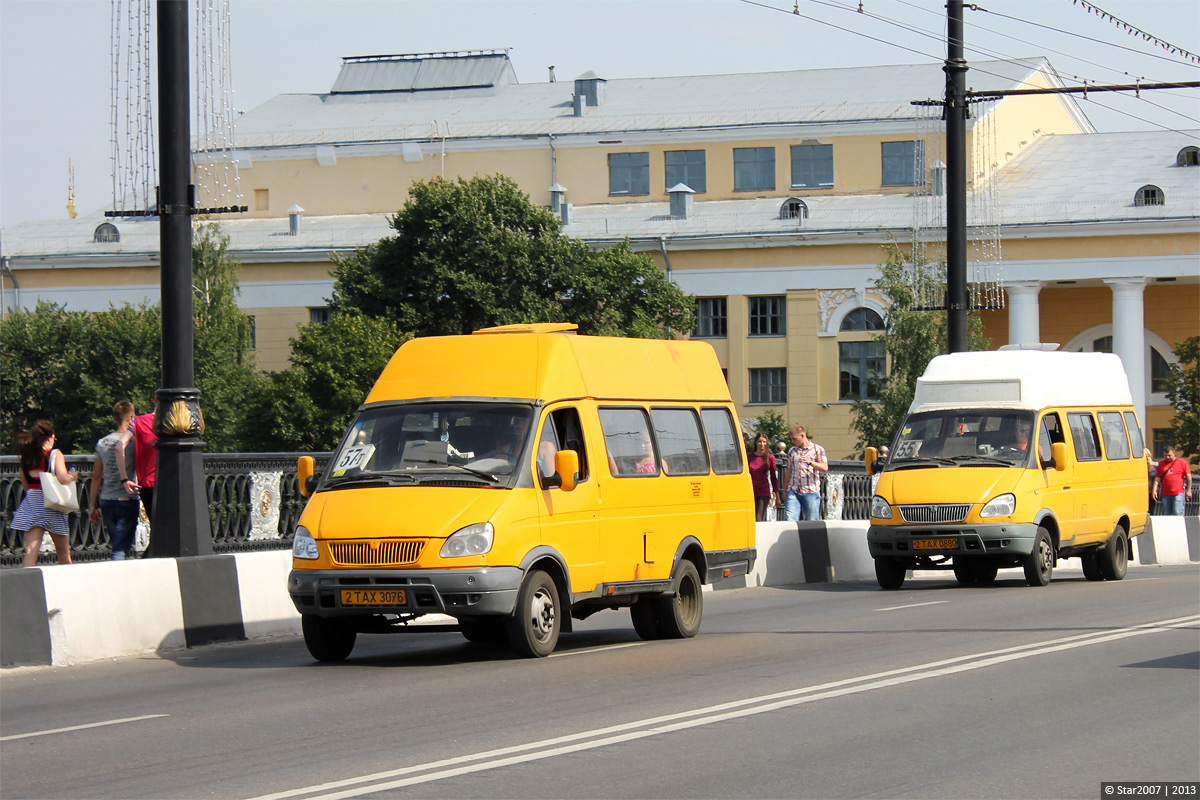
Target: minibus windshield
406	444
957	437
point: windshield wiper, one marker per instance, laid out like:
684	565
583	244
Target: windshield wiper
480	473
924	461
983	460
374	479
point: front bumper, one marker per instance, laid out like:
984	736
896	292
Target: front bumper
997	539
467	592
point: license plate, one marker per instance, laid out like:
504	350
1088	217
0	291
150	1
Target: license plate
374	597
935	544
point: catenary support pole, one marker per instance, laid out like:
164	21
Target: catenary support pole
179	524
957	300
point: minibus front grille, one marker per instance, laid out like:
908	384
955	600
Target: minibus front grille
935	513
384	553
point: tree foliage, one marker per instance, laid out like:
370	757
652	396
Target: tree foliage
474	253
772	423
1183	392
334	364
910	340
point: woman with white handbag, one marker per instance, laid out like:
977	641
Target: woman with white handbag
48	494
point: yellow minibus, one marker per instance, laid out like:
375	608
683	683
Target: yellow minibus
521	477
1013	458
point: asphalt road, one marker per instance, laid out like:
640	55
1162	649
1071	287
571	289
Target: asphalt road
838	690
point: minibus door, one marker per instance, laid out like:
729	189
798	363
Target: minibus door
568	518
1058	496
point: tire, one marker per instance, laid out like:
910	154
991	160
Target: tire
327	639
1039	565
482	630
535	624
1091	565
975	574
985	575
679	615
889	573
645	618
1113	557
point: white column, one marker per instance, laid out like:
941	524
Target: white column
1129	335
1024	326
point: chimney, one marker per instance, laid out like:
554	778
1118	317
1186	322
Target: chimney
552	73
681	200
578	104
592	88
295	219
557	193
565	210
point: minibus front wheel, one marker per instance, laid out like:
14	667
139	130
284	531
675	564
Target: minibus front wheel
534	626
1039	564
327	639
889	572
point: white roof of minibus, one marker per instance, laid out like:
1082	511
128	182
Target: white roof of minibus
1022	379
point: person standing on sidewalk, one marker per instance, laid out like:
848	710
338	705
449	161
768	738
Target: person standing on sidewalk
37	452
1173	483
109	500
806	460
763	477
145	458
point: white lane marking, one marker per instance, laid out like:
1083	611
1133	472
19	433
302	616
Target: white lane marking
595	649
913	605
653	726
80	727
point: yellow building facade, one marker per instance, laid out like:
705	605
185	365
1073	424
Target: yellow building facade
767	196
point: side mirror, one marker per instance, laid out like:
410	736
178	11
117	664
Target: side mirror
566	464
304	475
1058	454
874	462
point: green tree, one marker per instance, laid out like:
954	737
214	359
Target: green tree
474	253
1183	391
771	423
308	407
910	339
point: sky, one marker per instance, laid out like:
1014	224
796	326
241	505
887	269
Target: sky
56	57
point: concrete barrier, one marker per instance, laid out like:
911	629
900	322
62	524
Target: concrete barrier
68	615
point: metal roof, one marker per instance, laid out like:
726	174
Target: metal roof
423	72
632	104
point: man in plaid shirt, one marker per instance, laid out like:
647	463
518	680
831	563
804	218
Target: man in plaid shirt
806	461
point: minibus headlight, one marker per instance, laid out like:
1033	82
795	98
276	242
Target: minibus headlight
1002	506
473	540
880	508
304	545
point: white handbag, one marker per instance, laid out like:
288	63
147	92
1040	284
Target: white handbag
55	495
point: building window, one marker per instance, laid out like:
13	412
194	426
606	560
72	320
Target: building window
1149	196
1188	157
768	386
253	331
862	319
767	316
319	316
903	163
1160	372
812	166
1102	345
861	370
628	173
106	232
753	169
793	208
1163	438
710	318
686	167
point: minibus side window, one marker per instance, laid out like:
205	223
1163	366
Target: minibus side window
627	440
724	445
563	430
677	431
1116	442
1050	433
1135	434
1083	431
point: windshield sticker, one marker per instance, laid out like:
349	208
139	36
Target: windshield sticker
352	458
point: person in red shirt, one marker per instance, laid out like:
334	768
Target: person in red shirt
1173	483
145	458
763	477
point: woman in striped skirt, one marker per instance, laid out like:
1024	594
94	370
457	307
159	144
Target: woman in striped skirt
36	449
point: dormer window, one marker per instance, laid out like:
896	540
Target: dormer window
106	232
1149	195
793	208
1188	157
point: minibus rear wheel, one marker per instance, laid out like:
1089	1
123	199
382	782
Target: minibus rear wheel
679	615
534	626
644	613
1091	565
1114	556
327	639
